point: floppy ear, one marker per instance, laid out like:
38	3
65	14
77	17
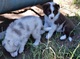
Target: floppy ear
16	43
45	6
56	6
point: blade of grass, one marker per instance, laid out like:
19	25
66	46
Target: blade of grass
74	51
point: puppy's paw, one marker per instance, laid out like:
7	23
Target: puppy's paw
63	37
47	28
48	36
35	44
21	50
70	39
14	54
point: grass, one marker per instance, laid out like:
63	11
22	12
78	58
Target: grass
53	48
55	51
76	1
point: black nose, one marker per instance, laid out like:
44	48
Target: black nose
51	17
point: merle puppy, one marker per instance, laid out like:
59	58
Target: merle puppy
18	33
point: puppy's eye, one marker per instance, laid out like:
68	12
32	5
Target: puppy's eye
49	11
55	12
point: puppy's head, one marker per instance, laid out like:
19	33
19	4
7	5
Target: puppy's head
11	46
51	9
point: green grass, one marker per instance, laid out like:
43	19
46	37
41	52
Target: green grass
54	51
76	1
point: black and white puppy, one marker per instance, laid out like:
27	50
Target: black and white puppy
55	21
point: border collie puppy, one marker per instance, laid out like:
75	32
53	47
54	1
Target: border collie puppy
18	33
57	22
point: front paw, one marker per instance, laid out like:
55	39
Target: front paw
35	44
47	28
48	36
70	39
63	37
21	50
14	54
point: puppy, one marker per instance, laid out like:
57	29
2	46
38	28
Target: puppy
55	21
18	33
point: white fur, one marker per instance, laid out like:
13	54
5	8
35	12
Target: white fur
14	42
48	22
59	28
52	9
50	33
70	39
14	54
63	37
52	3
47	29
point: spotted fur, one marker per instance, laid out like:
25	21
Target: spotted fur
18	33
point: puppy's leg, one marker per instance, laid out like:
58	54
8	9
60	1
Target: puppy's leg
36	35
42	31
23	42
67	34
70	39
71	34
50	33
47	28
45	25
14	54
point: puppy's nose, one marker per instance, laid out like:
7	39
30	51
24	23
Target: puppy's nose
51	17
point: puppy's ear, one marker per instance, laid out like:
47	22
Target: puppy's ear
16	43
45	6
56	6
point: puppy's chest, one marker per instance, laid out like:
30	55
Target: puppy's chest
59	26
50	23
